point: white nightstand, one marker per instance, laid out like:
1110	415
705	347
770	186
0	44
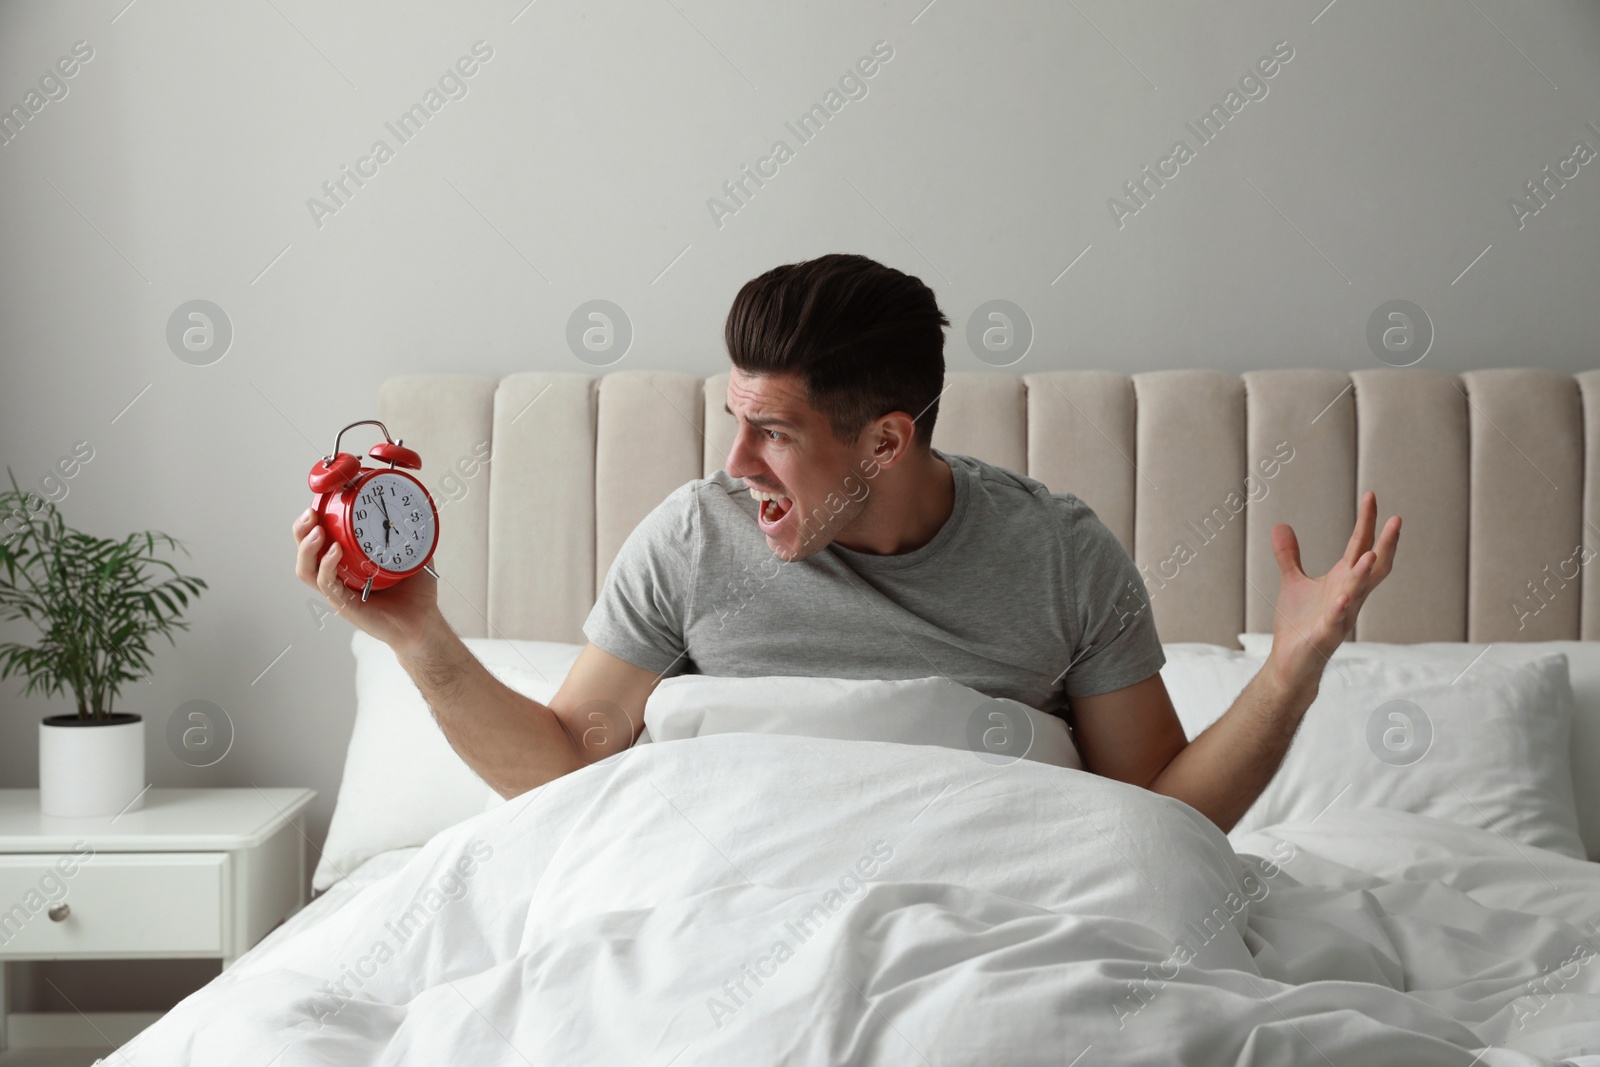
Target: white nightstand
193	873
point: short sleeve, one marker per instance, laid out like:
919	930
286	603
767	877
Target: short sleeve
644	604
1116	644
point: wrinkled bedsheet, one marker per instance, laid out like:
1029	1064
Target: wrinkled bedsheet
748	899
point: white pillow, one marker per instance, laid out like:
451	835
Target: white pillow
1583	670
913	711
402	781
1483	749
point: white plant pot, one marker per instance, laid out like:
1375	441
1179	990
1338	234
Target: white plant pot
91	769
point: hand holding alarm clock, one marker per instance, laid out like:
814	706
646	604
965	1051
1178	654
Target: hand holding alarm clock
382	519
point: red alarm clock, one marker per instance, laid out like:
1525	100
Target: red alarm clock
383	518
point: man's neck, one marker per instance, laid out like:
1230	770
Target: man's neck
918	502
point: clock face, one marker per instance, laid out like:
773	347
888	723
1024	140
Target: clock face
393	522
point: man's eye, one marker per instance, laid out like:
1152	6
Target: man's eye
775	435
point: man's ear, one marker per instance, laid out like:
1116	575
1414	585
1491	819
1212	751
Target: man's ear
895	434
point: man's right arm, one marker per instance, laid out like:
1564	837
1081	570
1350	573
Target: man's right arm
512	742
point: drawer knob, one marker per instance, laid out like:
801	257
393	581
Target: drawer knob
59	913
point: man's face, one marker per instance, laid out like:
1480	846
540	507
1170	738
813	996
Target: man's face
784	446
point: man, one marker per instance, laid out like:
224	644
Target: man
837	542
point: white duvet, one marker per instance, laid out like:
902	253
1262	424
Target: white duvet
747	899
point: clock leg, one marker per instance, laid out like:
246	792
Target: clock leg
365	590
429	568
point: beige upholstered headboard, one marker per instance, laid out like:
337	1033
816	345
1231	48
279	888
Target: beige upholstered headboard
1495	473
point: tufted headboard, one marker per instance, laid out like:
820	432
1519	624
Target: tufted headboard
1496	473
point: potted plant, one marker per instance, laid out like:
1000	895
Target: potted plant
96	603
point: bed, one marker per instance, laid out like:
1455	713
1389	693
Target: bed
784	885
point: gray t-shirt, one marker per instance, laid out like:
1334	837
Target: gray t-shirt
1023	593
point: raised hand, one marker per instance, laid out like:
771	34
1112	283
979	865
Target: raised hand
1314	615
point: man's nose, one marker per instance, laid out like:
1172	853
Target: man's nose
737	462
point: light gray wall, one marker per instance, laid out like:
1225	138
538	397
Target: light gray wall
982	157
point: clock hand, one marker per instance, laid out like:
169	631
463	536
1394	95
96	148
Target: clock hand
386	523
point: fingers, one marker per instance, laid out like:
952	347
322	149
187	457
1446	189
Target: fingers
312	540
1362	580
320	572
1375	564
1388	542
1359	580
1368	565
328	573
1286	547
1361	536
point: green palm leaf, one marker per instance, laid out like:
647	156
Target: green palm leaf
96	602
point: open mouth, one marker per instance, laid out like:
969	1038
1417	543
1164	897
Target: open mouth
774	508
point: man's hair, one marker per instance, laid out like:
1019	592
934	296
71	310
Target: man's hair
865	339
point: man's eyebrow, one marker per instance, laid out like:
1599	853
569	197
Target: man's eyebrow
763	421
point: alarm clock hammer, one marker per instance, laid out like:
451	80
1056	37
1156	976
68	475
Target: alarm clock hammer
350	500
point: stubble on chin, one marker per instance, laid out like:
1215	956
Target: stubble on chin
791	553
818	537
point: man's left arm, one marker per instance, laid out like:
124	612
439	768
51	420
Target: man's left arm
1133	735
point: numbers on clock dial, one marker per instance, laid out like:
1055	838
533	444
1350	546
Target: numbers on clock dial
392	522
